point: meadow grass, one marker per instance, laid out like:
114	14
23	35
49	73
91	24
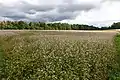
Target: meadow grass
58	56
115	73
1	61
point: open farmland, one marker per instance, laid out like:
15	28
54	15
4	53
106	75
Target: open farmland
57	55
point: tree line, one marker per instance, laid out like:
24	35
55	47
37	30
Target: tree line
51	26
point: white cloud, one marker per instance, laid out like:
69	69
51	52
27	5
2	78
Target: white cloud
107	13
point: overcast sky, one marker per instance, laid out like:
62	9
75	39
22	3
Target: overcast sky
93	12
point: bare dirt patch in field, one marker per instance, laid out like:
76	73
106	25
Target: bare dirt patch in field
7	33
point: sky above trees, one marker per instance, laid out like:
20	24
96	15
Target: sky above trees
92	12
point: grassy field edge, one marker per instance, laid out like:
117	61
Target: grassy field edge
117	46
115	74
1	61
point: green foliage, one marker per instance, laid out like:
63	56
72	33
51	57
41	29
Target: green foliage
1	63
115	25
52	26
43	26
115	72
117	43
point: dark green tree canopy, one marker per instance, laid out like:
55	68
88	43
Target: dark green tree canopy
52	26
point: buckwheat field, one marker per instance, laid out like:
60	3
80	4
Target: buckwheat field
56	55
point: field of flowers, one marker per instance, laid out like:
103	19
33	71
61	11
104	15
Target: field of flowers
57	56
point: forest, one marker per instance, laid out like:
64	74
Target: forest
19	25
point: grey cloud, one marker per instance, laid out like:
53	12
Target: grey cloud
16	16
60	8
10	12
112	0
51	17
69	1
109	0
31	12
49	13
75	7
59	16
26	7
40	8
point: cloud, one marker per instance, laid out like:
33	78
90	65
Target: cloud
96	12
110	0
75	7
106	14
42	11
